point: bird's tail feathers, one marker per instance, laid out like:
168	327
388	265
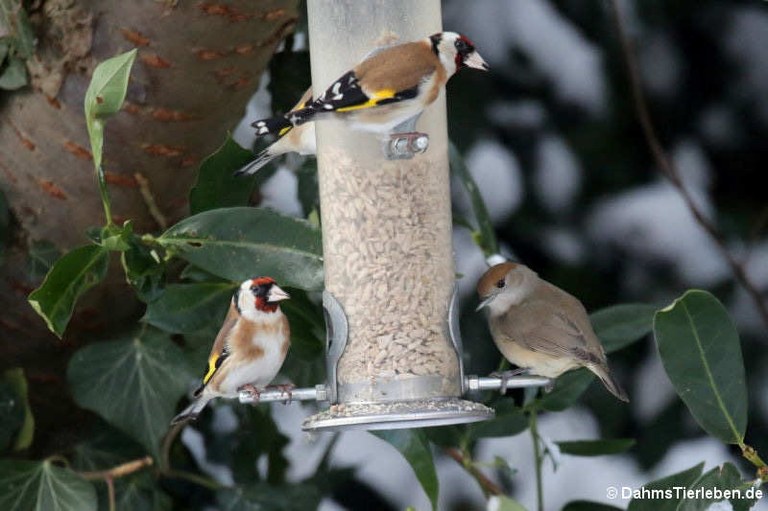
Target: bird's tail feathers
301	116
610	382
262	159
191	412
273	126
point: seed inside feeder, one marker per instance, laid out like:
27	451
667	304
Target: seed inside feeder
388	261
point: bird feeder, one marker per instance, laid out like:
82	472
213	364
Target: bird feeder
393	353
386	222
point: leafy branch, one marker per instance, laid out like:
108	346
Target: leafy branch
229	242
104	98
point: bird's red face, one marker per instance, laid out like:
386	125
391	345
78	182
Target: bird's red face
266	294
467	56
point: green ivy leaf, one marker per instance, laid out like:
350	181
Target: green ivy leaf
197	349
144	270
701	353
305	365
307	324
105	96
621	325
17	31
140	492
43	486
446	436
71	276
116	239
415	448
18	382
239	243
485	236
725	477
568	388
134	384
217	186
596	447
194	274
664	488
11	414
42	256
104	447
187	308
308	187
504	470
263	496
241	447
14	75
508	421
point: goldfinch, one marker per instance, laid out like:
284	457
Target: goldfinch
387	90
250	347
539	327
300	139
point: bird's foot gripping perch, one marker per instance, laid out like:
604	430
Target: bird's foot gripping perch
252	390
506	375
285	388
404	146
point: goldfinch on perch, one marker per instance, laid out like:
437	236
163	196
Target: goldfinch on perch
387	91
250	347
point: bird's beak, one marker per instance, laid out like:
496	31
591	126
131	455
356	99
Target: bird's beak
474	60
276	294
485	302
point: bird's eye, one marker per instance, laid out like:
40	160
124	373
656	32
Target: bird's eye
500	283
461	45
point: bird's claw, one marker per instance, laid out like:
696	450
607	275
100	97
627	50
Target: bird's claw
506	375
285	388
251	389
404	146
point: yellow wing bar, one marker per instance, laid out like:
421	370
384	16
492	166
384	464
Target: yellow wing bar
211	367
373	101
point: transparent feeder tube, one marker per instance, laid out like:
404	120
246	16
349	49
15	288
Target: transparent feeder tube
386	223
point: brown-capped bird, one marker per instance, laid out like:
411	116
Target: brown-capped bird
540	327
250	347
389	88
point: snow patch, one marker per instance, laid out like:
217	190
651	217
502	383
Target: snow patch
557	174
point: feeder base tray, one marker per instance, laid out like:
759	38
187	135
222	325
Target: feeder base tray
398	415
